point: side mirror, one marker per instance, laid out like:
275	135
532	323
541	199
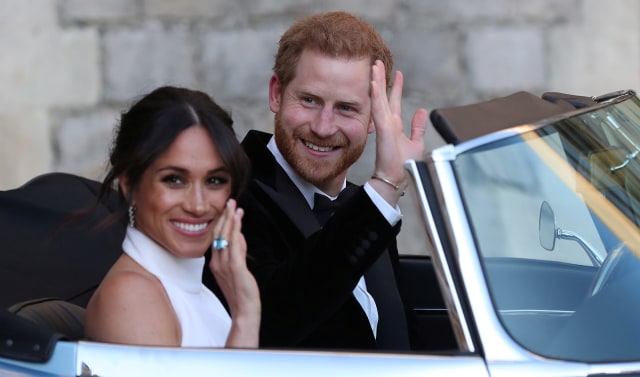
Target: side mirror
547	227
548	232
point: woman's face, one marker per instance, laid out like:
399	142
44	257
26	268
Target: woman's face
182	193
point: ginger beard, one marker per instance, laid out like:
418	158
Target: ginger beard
316	170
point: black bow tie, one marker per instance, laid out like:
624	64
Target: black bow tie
324	207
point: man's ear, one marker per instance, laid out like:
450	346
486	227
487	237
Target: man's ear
275	94
372	127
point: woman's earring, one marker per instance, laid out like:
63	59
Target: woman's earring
132	219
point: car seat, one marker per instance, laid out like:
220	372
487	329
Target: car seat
58	316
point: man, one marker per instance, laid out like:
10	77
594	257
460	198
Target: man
316	279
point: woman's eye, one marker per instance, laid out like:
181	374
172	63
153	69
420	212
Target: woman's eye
217	181
173	179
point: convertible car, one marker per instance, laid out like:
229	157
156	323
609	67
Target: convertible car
530	213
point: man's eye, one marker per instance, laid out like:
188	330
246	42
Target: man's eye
308	100
346	108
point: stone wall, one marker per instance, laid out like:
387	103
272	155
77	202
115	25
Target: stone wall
69	67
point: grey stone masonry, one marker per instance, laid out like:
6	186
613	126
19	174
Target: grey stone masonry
138	59
516	52
69	67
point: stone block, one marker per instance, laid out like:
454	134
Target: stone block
25	148
278	7
596	55
27	17
82	142
435	13
48	66
100	11
381	13
238	63
138	60
438	12
430	61
67	71
542	10
504	59
188	8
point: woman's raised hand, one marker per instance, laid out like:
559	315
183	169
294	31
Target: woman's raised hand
229	266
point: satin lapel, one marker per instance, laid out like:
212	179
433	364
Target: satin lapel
295	207
275	183
263	164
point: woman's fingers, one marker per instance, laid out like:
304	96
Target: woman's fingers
227	219
225	263
222	228
238	244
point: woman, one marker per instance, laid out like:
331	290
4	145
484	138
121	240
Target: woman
178	166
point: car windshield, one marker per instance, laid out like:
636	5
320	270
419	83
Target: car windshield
554	211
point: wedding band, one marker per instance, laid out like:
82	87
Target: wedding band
220	243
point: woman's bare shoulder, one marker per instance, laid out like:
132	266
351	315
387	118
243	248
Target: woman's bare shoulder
131	306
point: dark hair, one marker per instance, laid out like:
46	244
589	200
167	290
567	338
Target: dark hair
153	123
334	34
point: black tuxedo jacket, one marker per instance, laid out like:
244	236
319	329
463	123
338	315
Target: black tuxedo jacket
306	273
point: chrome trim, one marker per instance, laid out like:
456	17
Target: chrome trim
611	97
614	368
593	255
102	359
557	313
443	270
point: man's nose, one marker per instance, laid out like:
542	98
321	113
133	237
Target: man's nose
325	122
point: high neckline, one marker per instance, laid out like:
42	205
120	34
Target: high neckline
183	272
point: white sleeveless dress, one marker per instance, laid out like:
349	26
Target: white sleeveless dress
204	320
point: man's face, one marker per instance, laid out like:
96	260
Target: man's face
323	117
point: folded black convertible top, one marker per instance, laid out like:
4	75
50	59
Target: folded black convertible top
461	123
44	250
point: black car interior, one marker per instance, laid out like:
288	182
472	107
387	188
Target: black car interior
58	244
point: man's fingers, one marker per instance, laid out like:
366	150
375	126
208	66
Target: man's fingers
378	90
395	97
419	125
